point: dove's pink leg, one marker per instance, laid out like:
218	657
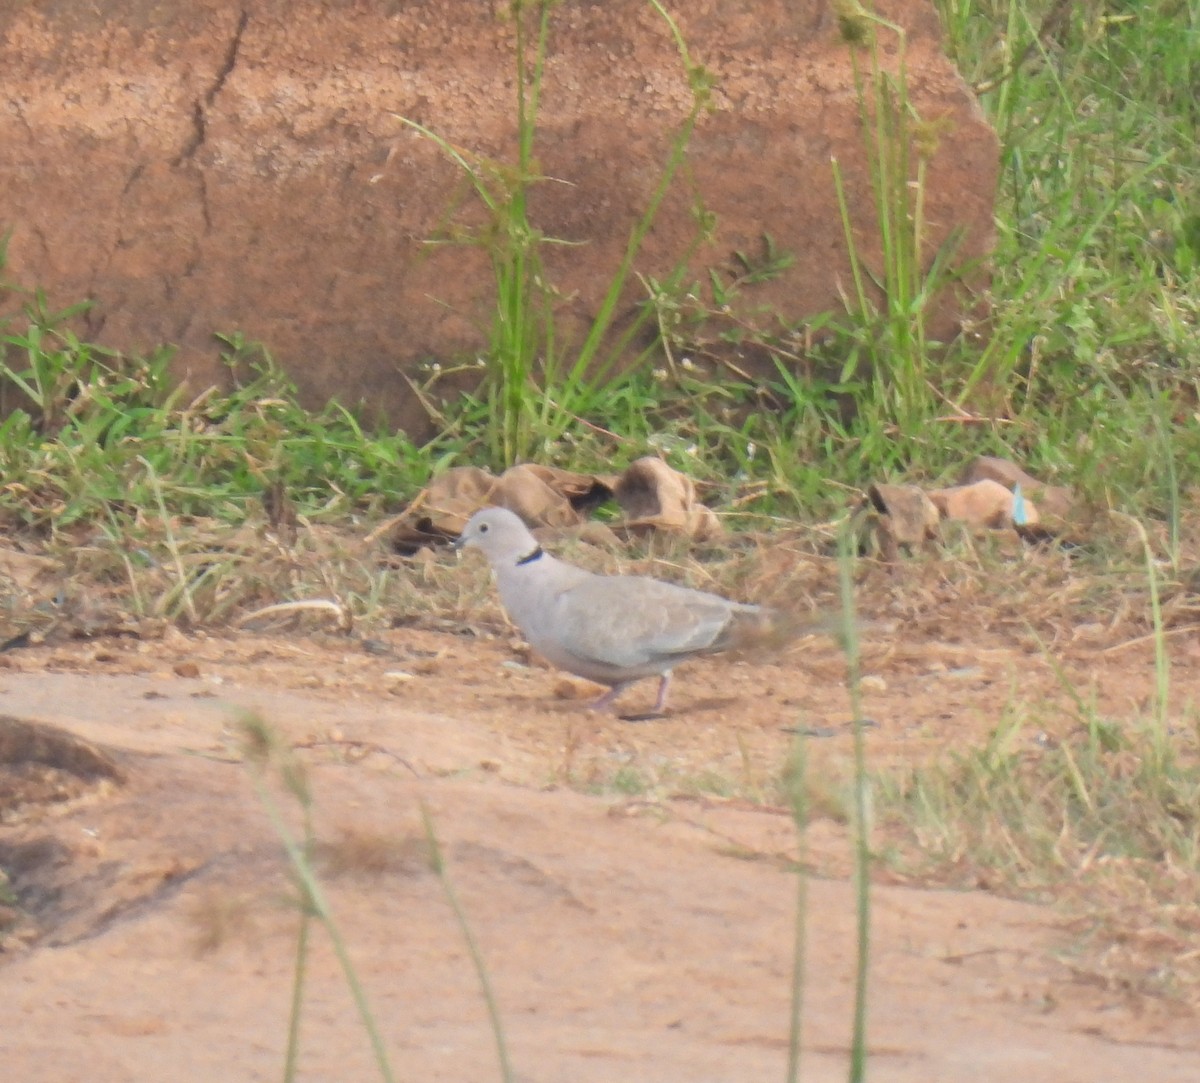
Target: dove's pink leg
663	681
606	700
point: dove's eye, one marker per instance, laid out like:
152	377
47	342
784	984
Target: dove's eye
483	528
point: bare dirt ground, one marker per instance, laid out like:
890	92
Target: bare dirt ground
629	936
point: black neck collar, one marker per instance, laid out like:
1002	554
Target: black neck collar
529	558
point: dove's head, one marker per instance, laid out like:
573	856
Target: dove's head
501	535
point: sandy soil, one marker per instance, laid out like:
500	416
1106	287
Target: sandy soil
628	936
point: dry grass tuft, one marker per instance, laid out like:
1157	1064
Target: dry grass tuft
217	918
1103	819
360	852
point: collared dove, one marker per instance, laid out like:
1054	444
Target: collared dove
611	629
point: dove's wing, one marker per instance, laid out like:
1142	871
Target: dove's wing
631	622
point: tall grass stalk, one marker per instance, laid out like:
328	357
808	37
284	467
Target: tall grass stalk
314	897
296	1008
584	376
261	750
300	968
522	321
797	783
862	805
1162	661
892	340
438	863
1174	496
535	389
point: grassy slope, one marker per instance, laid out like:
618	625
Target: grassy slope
1085	369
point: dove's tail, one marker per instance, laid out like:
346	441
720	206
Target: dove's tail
765	630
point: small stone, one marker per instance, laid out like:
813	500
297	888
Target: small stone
575	688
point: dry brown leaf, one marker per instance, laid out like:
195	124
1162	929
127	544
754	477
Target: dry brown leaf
985	503
601	535
912	517
543	495
652	494
540	495
1055	501
655	496
993	468
896	515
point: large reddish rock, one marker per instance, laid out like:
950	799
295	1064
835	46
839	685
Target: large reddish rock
217	166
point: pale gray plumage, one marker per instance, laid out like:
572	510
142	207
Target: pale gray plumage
612	629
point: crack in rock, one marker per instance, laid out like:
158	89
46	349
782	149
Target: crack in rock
201	106
16	107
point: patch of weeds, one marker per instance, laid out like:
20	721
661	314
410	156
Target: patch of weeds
358	852
8	897
629	781
1092	298
709	783
1106	818
829	794
1081	361
92	436
217	918
16	924
667	781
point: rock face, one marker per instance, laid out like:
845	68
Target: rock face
210	165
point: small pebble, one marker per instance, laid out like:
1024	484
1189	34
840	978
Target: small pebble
573	688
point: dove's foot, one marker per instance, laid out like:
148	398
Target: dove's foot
645	716
605	702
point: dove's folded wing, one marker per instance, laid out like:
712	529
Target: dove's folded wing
630	621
